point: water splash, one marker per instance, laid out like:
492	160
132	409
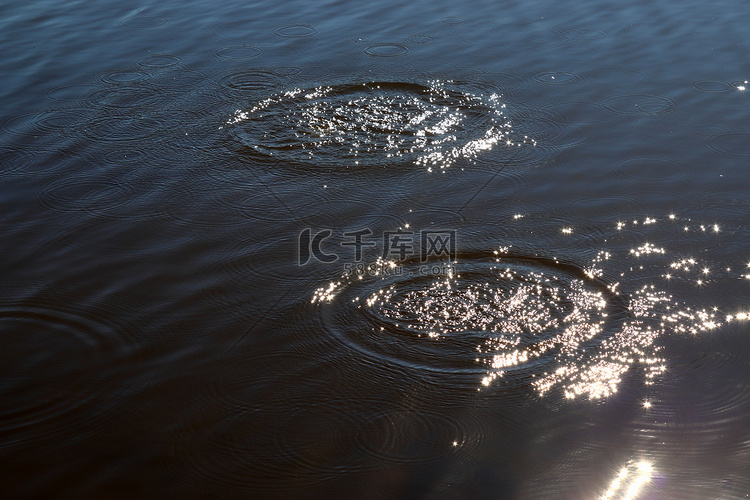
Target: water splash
376	124
513	319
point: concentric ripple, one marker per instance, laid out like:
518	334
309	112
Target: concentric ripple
489	316
296	31
374	124
515	320
386	50
49	356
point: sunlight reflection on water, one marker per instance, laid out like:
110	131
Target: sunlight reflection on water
538	320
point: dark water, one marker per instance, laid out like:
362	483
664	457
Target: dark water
375	250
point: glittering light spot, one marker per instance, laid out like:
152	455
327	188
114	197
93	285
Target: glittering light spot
326	294
740	316
646	249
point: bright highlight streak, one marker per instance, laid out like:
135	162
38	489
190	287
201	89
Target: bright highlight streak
629	482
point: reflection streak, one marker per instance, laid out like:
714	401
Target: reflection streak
629	482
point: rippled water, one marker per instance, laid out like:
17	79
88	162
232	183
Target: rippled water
515	320
375	251
375	124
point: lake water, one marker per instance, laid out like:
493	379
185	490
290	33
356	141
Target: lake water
378	250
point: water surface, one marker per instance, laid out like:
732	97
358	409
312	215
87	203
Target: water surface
412	250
